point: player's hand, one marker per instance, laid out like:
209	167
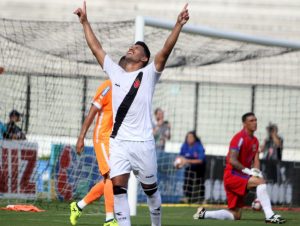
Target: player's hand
160	122
256	173
183	16
79	146
81	13
247	171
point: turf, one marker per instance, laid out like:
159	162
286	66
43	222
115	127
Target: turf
57	214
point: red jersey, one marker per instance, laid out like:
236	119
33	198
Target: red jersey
246	146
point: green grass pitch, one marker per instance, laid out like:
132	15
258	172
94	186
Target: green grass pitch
57	214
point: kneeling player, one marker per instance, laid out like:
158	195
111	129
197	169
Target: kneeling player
239	178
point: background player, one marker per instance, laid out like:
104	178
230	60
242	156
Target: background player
132	144
102	107
239	178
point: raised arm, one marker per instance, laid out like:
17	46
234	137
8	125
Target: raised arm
162	56
90	37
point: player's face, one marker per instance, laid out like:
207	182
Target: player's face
251	123
136	53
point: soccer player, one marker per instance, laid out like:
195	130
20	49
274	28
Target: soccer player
102	107
239	178
132	146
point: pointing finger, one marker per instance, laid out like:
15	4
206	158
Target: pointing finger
84	6
185	6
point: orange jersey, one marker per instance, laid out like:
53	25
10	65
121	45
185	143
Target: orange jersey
103	101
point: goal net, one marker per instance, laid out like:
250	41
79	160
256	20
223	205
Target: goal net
51	76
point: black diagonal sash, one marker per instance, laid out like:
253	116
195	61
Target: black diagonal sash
126	103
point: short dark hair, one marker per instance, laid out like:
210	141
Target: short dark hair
146	50
246	115
14	113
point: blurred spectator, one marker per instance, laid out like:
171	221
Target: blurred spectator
2	130
193	159
273	144
13	131
272	152
161	131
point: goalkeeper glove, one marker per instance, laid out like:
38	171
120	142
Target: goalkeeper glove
247	171
256	173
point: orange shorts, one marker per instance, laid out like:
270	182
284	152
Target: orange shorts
102	154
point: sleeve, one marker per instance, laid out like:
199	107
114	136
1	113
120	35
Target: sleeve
182	150
236	143
201	152
155	75
281	139
100	99
111	68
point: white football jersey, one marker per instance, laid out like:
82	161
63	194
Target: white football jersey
132	94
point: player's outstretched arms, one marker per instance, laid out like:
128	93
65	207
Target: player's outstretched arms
90	37
85	127
162	56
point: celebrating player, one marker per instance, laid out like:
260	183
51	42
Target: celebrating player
132	146
102	107
239	178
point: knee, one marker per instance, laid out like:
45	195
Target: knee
118	190
149	189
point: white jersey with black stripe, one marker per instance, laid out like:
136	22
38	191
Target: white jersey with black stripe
137	123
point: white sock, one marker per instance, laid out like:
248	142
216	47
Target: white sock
263	197
122	210
81	204
109	216
154	203
219	214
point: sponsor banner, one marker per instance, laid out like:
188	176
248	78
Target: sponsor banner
17	166
74	175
